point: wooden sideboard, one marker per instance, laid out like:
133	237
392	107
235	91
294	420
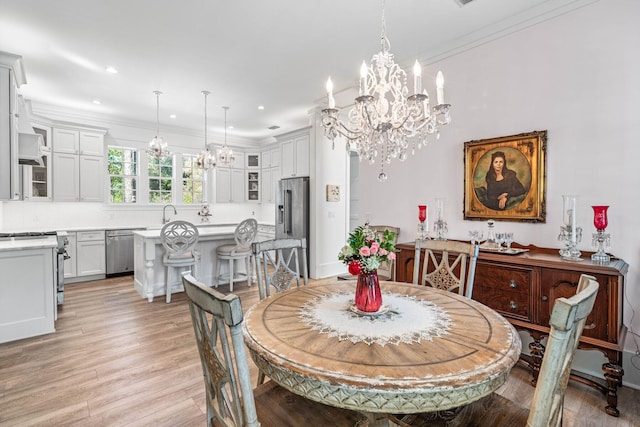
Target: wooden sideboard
523	288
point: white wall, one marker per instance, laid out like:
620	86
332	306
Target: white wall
575	76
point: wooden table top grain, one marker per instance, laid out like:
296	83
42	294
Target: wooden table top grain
469	362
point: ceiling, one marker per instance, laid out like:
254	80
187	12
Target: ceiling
247	53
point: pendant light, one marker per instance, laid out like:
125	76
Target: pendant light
225	154
206	160
157	147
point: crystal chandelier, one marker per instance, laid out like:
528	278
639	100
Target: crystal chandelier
158	149
225	154
206	160
385	120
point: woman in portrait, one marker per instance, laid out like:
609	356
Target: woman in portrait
503	184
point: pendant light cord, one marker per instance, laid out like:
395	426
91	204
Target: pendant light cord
205	93
158	93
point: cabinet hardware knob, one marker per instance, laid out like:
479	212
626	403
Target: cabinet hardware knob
512	284
545	298
512	305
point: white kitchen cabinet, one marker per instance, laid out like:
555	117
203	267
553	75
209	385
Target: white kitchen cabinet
66	141
70	263
28	302
10	79
253	185
66	177
253	160
295	156
229	185
87	256
269	179
91	178
78	165
36	180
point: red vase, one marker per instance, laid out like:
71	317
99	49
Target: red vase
600	220
368	295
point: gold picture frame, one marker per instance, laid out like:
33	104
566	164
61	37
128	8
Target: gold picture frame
505	178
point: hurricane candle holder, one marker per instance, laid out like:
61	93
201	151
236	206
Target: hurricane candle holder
440	225
423	226
570	234
600	239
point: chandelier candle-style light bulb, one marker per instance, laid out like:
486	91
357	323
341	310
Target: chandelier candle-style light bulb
332	101
440	88
363	79
385	121
417	77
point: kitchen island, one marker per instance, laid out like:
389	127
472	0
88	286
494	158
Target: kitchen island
149	271
27	288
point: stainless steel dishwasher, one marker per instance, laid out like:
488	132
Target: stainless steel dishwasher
119	251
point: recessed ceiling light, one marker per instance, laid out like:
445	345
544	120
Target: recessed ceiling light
97	101
260	107
172	116
230	127
111	70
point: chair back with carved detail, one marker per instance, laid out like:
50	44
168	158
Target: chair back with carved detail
445	265
231	402
224	363
179	239
278	264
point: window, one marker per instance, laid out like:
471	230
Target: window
123	173
160	180
192	180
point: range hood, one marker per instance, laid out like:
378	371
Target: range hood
30	149
29	143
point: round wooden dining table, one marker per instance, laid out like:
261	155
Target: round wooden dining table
426	350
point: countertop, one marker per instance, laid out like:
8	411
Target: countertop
25	244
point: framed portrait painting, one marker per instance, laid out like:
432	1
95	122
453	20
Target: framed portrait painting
504	178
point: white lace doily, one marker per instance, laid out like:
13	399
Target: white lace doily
408	320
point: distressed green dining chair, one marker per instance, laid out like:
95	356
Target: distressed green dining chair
567	322
231	401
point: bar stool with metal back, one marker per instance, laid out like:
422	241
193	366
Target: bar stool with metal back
179	239
245	232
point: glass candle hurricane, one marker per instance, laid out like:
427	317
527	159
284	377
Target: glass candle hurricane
601	240
600	220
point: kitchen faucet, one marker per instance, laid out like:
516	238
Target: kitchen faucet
164	212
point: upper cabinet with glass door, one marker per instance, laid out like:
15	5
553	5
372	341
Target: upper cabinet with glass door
36	180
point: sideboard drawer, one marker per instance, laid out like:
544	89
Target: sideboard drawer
506	289
509	304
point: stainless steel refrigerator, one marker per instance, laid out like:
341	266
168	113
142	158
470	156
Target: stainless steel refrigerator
292	210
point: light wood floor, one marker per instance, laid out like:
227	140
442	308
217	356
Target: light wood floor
117	360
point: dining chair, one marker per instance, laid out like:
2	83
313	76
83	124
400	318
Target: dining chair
179	239
445	265
278	264
244	234
566	324
230	399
